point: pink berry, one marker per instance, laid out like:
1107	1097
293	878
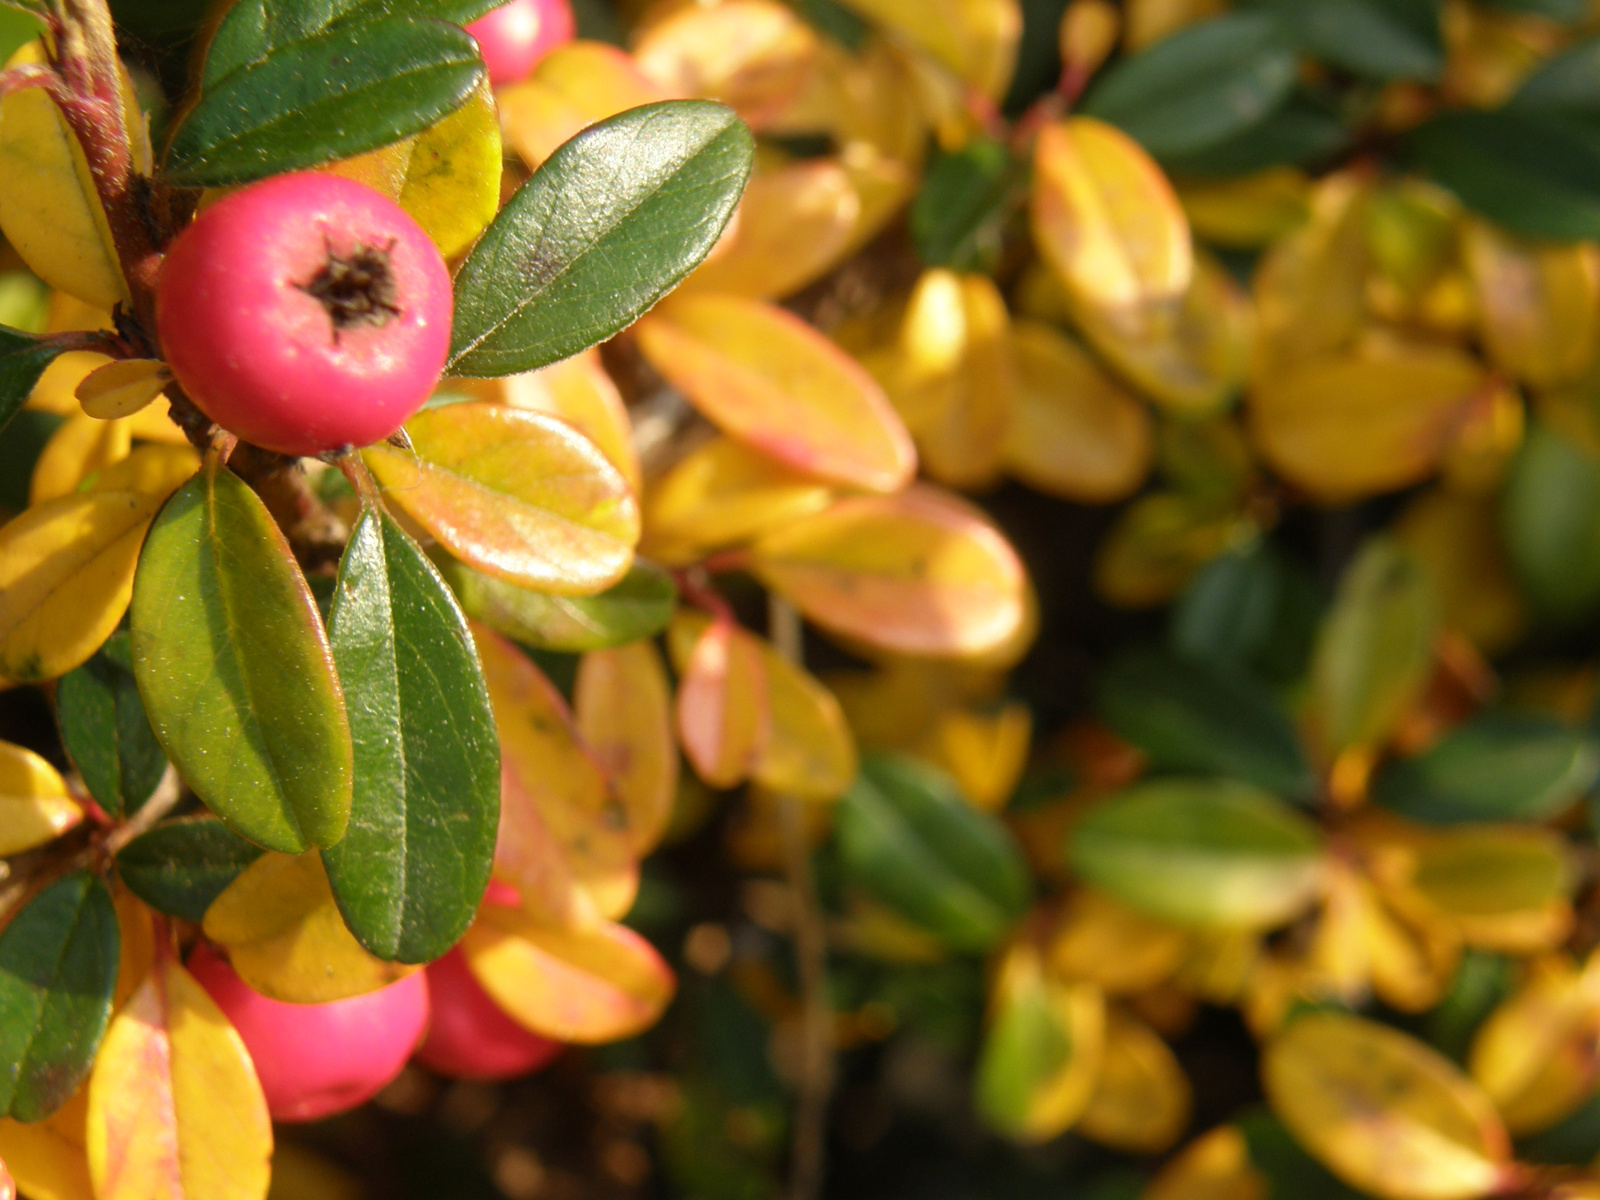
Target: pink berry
305	313
514	37
315	1060
472	1037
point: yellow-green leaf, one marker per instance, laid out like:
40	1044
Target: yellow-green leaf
452	181
35	806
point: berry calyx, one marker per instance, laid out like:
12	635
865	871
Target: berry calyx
515	36
305	313
315	1060
469	1035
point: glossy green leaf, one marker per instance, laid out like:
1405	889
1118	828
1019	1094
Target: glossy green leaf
1550	518
966	199
58	966
235	670
340	92
1380	39
1499	766
180	867
23	359
906	836
1189	717
105	730
639	605
1529	172
607	226
1200	86
1375	647
415	860
1211	853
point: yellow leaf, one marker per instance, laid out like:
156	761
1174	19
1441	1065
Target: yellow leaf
136	926
724	717
35	806
1383	1111
1249	211
1501	887
576	390
1216	1167
1349	427
590	985
975	39
1538	305
573	87
56	392
120	389
767	378
564	839
1108	944
1106	219
78	449
48	1159
1538	1053
285	937
952	377
1457	540
1075	432
793	225
753	55
175	1110
452	177
624	715
720	494
1141	1100
860	101
382	170
149	470
49	209
66	576
986	752
1157	544
919	572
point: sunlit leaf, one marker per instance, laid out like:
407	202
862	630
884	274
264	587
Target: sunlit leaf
977	39
1214	1167
573	87
35	805
638	605
56	391
1141	1101
580	392
1502	887
174	1105
1538	305
286	938
623	709
80	448
519	495
1109	944
724	713
47	1158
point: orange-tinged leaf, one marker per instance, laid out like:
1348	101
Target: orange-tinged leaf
1538	1053
919	572
35	806
623	707
1216	1167
724	716
136	926
1538	305
175	1111
1383	1111
382	170
579	392
75	451
1075	432
120	389
565	839
1348	427
986	752
589	985
57	392
1108	944
285	936
753	55
1105	217
573	87
976	39
767	378
519	495
1141	1100
48	1159
723	493
793	225
860	102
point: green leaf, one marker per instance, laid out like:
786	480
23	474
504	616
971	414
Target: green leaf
415	860
1190	717
1380	39
1566	84
1499	766
105	731
235	670
1030	1047
638	606
346	90
1527	171
1550	517
23	359
906	836
1200	86
58	966
1210	853
1375	648
607	226
1248	608
1297	134
180	867
17	29
966	199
